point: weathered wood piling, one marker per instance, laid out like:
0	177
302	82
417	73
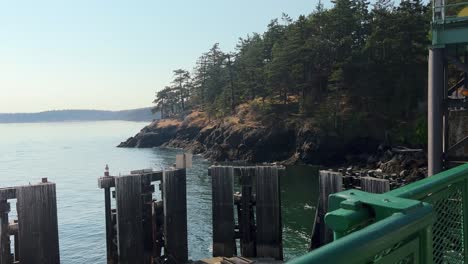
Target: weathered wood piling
269	236
175	214
329	182
128	198
5	254
245	213
146	230
36	230
375	185
259	233
222	180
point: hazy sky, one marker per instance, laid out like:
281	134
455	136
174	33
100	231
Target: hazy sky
110	54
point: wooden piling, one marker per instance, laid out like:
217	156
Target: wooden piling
246	217
175	215
268	212
329	182
37	224
147	221
224	244
107	214
143	227
15	241
129	219
375	185
5	249
158	227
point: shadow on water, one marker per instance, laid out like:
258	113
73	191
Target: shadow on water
299	195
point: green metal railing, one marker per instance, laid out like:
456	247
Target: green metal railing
424	222
449	22
449	11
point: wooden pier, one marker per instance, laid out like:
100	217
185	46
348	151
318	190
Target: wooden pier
35	232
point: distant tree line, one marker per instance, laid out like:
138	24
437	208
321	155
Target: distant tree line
371	59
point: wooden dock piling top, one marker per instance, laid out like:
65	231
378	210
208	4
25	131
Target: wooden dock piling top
239	169
218	260
8	193
36	229
109	181
37	224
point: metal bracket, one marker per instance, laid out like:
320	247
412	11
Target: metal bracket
352	209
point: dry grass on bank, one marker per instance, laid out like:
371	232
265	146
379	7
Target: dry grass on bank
167	123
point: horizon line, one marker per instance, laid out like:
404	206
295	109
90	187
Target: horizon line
75	109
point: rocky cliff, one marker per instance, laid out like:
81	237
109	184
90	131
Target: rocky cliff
235	138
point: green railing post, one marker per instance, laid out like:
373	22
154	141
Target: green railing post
427	246
465	220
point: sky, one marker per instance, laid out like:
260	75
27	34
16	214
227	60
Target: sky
112	54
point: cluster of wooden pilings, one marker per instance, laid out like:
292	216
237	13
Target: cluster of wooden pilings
141	229
258	207
35	231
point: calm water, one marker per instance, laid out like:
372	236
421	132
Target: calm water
73	155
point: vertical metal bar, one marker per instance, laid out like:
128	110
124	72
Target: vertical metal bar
465	220
435	101
107	201
445	111
465	74
426	245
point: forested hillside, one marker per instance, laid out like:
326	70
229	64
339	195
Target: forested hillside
354	63
340	85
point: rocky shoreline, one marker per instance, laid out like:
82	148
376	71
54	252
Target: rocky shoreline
398	165
234	140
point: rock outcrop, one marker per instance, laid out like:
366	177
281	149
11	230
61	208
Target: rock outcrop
236	139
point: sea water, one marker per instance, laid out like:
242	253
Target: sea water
74	154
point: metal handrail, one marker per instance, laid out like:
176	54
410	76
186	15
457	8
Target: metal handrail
427	187
381	240
356	217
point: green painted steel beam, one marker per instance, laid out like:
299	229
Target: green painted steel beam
342	220
352	209
454	31
449	36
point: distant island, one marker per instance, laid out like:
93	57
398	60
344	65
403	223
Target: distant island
141	114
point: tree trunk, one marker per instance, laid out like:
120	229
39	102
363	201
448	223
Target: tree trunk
232	85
